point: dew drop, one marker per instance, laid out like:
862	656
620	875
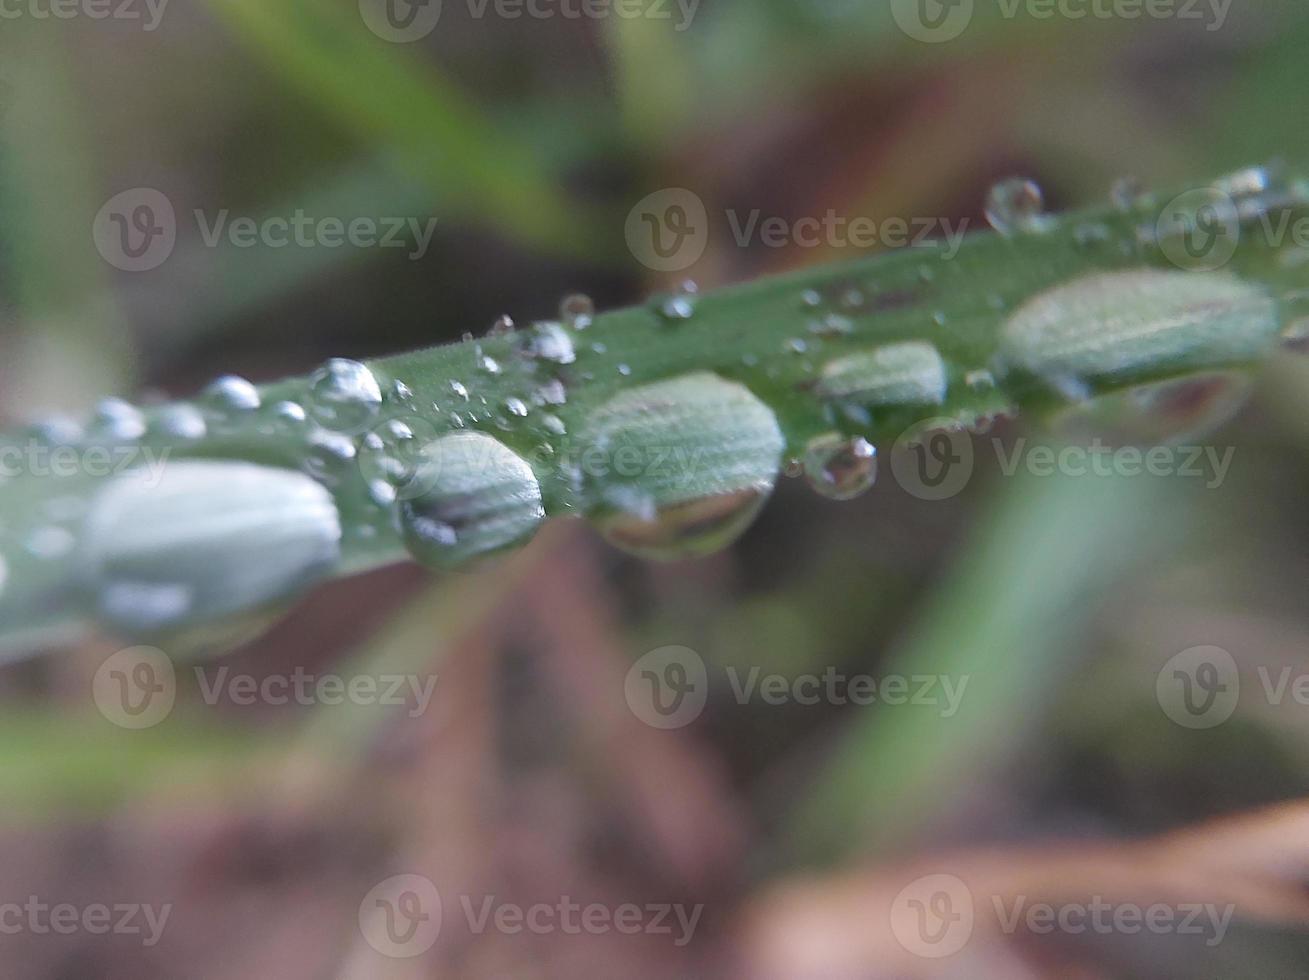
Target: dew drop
577	311
182	422
1126	193
909	373
292	412
1107	330
550	342
459	390
344	394
516	406
204	540
476	497
679	468
1016	206
1296	336
233	392
503	327
811	299
488	364
838	467
49	543
117	420
679	305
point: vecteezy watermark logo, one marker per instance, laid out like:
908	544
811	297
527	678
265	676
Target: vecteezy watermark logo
41	918
300	687
150	13
401	21
933	21
135	688
668	231
401	916
1199	231
667	688
938	21
933	460
136	230
933	916
1199	688
1105	918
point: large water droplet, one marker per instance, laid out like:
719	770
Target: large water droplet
679	468
471	496
344	394
204	540
1109	330
1015	206
839	467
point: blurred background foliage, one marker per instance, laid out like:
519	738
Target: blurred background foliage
531	140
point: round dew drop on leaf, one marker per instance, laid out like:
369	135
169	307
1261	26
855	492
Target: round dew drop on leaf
1016	206
840	467
679	468
203	541
471	496
343	394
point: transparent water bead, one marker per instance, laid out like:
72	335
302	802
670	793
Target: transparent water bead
472	496
839	467
679	468
910	373
344	394
1168	412
234	393
203	540
550	342
1015	206
577	311
118	420
1110	329
182	422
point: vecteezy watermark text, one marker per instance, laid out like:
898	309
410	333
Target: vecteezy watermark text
935	916
669	230
137	230
402	917
406	21
939	21
38	458
149	13
669	687
39	917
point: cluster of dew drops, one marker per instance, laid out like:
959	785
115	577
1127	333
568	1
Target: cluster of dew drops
345	417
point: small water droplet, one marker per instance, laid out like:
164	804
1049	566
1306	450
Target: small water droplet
550	342
117	420
625	370
1016	206
503	327
840	468
811	299
344	394
182	422
488	364
49	543
233	392
401	392
577	311
552	393
980	380
516	406
679	305
459	390
292	412
1126	193
795	345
